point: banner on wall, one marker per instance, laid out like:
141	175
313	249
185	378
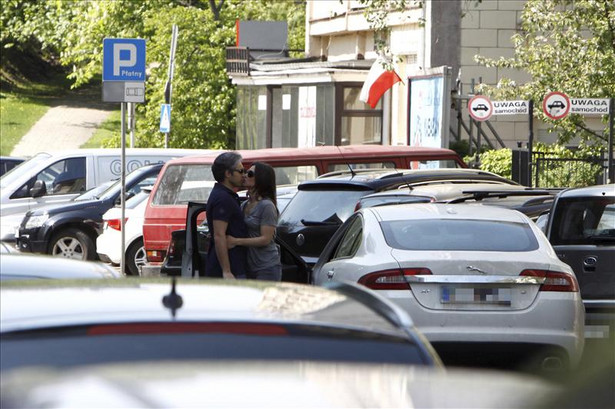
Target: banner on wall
307	117
428	107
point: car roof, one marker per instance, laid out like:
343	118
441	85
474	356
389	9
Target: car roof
78	302
424	211
382	178
322	152
19	266
594	191
274	384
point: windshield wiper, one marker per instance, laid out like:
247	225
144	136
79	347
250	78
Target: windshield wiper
323	223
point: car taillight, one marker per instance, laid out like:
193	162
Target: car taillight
555	280
154	256
116	224
391	279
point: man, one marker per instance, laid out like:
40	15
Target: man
224	217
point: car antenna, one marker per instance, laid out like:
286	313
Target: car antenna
352	172
173	301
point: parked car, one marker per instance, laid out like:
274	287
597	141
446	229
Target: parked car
481	277
107	243
15	266
280	384
190	179
581	229
54	178
70	229
143	320
8	162
322	205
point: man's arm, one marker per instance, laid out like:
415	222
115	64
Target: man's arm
221	248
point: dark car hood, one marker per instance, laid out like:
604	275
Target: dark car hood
68	207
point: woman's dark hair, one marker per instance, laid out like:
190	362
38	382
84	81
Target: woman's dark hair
264	182
223	162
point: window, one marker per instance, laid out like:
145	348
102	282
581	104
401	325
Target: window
183	183
583	221
352	239
358	122
63	177
459	235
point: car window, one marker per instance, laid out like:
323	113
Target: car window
432	164
293	175
183	183
321	206
352	239
95	192
357	166
458	235
62	177
583	220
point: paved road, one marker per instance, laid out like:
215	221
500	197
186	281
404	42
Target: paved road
66	125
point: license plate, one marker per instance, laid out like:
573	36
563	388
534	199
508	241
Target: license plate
475	295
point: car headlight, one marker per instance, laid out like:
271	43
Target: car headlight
37	220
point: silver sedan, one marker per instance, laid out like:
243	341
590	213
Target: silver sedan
468	274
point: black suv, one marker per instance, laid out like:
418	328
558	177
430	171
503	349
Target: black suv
70	229
322	205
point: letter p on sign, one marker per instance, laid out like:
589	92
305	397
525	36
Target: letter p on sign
120	51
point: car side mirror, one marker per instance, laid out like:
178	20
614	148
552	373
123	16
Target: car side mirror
39	189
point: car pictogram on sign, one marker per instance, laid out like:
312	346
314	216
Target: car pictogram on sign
481	107
556	105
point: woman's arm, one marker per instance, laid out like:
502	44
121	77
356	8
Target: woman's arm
267	233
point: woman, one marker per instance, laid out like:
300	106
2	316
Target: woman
261	216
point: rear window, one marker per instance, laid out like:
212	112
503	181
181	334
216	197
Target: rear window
358	166
329	206
293	175
183	183
580	221
458	235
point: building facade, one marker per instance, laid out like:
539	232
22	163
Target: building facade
315	100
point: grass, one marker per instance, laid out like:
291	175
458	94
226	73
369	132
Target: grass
111	126
17	115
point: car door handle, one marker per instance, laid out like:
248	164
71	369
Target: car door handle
330	273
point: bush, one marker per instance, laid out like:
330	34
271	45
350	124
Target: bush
580	167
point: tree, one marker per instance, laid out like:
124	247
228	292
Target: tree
565	45
203	112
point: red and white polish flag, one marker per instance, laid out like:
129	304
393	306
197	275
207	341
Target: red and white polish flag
378	81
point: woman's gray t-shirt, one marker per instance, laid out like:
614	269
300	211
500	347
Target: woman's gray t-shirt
264	213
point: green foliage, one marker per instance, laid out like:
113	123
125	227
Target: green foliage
577	171
203	99
17	115
498	161
566	46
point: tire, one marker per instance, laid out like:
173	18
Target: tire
135	257
74	244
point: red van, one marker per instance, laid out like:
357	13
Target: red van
190	179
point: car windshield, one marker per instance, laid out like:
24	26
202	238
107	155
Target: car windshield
18	171
321	206
74	346
458	235
95	192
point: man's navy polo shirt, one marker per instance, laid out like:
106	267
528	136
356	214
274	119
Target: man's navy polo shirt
223	204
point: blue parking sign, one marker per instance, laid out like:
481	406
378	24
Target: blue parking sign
124	59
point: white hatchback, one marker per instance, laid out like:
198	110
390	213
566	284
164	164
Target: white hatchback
473	275
108	244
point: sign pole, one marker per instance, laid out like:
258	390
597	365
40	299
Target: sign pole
530	142
609	164
123	191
